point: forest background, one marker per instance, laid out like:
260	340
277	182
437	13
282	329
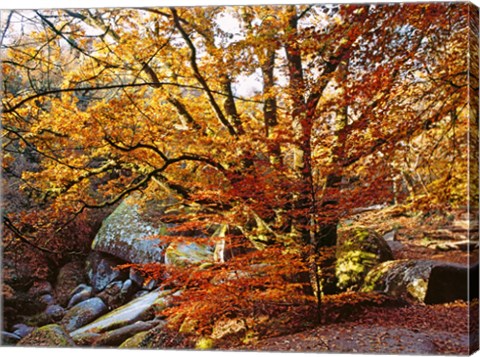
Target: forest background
40	4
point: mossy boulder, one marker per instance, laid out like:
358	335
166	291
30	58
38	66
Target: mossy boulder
158	337
359	249
48	336
424	281
406	279
127	232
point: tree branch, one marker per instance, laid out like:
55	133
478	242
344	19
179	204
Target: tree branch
198	75
24	239
107	87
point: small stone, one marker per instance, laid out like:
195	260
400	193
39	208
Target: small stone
47	300
80	296
128	289
79	288
22	330
390	236
54	313
395	246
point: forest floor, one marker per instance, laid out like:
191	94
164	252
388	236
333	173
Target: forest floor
407	329
416	329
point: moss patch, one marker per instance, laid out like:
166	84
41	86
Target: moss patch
359	250
204	343
48	336
136	341
407	279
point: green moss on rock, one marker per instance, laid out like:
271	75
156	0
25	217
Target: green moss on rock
48	336
407	279
205	343
136	341
359	249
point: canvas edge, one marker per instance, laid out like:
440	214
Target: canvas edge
473	168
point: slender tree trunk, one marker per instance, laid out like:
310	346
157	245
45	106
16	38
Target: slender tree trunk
303	114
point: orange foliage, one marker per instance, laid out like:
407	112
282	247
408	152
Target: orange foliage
276	126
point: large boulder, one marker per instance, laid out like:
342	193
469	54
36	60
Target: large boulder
127	233
450	282
359	249
424	281
406	279
47	336
83	313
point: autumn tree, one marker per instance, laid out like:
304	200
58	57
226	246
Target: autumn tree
274	120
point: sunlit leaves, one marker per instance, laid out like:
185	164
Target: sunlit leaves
278	120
